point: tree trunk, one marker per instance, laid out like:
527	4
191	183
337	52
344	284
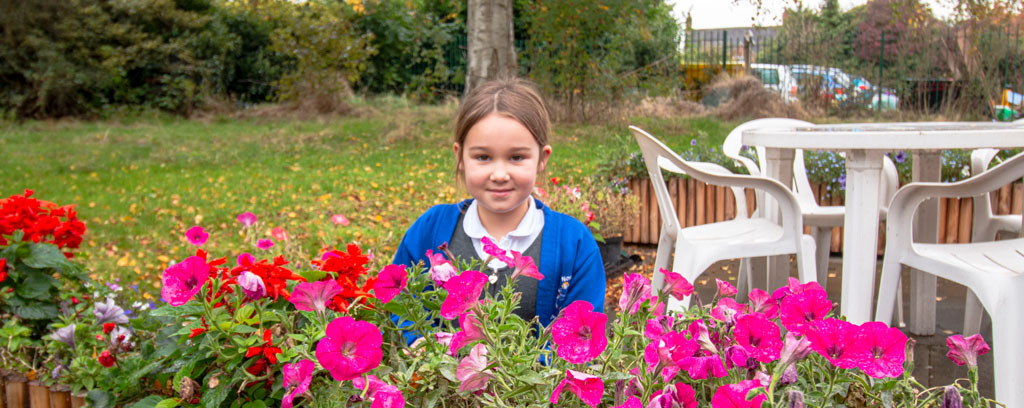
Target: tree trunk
491	52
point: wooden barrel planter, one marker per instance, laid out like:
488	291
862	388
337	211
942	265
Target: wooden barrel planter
697	203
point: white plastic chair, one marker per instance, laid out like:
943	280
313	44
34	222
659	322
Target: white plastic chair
993	270
986	226
698	247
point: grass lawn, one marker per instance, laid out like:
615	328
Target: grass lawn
140	183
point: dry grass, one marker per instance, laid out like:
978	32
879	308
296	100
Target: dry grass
747	98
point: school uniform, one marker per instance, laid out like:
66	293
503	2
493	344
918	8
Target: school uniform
564	250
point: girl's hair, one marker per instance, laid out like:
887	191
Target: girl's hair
514	98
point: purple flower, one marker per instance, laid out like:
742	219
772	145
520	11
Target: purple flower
252	285
65	335
693	142
109	313
900	157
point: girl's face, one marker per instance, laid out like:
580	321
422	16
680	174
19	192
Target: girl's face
500	161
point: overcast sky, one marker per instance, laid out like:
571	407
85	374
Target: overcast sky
723	13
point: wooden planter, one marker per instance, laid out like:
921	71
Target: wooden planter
38	395
697	203
16	391
60	396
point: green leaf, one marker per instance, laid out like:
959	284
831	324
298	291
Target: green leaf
167	403
533	377
37	286
100	399
313	276
191	309
151	401
449	373
45	256
255	404
243	329
36	311
213	398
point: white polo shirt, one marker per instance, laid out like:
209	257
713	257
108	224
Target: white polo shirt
519	239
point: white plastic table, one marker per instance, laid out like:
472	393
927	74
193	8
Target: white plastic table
864	145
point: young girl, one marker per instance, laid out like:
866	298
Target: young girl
501	144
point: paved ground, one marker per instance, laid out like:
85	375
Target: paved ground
931	366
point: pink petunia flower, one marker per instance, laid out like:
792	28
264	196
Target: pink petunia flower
445	339
666	352
703	366
760	336
494	250
735	395
390	282
682	396
580	333
676	285
725	289
699	332
463	293
524	266
183	280
339	219
658	326
196	235
794	349
279	234
794	287
313	296
727	309
635	290
880	350
588	388
833	339
800	310
966	350
441	270
252	285
264	244
472	371
631	402
471	331
297	377
350	349
738	356
381	394
247	218
245	258
761	302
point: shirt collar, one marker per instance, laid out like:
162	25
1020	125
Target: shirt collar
475	229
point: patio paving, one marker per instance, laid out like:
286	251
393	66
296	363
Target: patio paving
931	366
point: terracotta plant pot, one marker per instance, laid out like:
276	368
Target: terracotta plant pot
16	390
60	396
38	395
78	400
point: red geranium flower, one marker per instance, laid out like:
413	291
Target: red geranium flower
266	350
41	221
275	277
3	269
106	359
347	269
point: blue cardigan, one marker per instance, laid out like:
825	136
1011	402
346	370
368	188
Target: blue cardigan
569	258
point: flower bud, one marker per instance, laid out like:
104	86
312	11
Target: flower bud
252	285
794	350
951	398
796	399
